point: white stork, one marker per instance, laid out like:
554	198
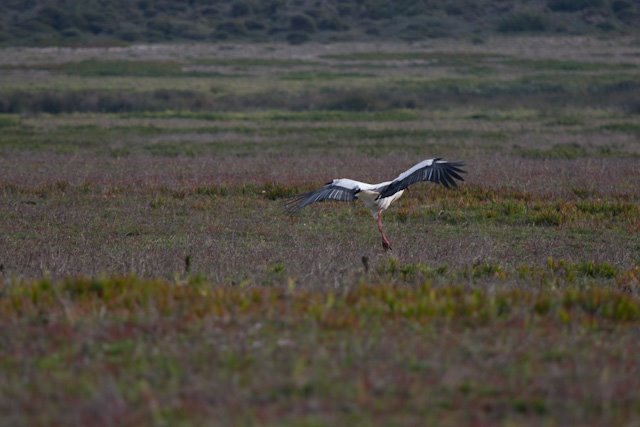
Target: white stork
378	197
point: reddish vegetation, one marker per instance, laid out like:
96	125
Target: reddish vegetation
145	215
599	177
128	351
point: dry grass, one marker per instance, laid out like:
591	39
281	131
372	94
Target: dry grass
69	215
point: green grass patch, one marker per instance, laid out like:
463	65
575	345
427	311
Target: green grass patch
174	149
557	151
282	115
572	151
345	116
516	114
435	58
549	84
556	273
607	208
254	62
130	296
624	127
102	68
567	65
319	75
588	269
355	132
567	120
9	122
214	116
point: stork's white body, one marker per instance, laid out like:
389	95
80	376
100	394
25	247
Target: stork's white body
378	197
370	194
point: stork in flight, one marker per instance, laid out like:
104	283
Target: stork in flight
378	197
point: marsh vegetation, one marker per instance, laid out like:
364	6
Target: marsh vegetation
149	275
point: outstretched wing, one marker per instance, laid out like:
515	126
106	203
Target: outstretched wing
334	190
434	170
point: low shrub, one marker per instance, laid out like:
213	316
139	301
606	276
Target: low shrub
297	38
522	22
302	23
572	5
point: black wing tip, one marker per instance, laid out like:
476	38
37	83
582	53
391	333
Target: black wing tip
446	173
298	202
291	210
452	173
456	167
294	204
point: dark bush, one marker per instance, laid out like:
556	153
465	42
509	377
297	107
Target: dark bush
55	102
380	10
626	12
161	25
220	35
234	27
46	22
209	11
272	8
297	38
332	23
302	23
522	22
620	6
57	18
129	36
572	5
240	8
632	107
351	102
417	31
94	22
150	13
453	9
70	33
345	10
252	25
605	26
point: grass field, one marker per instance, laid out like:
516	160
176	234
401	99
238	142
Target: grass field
149	275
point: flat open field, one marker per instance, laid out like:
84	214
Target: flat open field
149	274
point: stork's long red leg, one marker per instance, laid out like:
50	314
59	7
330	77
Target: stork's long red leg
385	242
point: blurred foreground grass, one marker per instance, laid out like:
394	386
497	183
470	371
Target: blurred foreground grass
124	350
